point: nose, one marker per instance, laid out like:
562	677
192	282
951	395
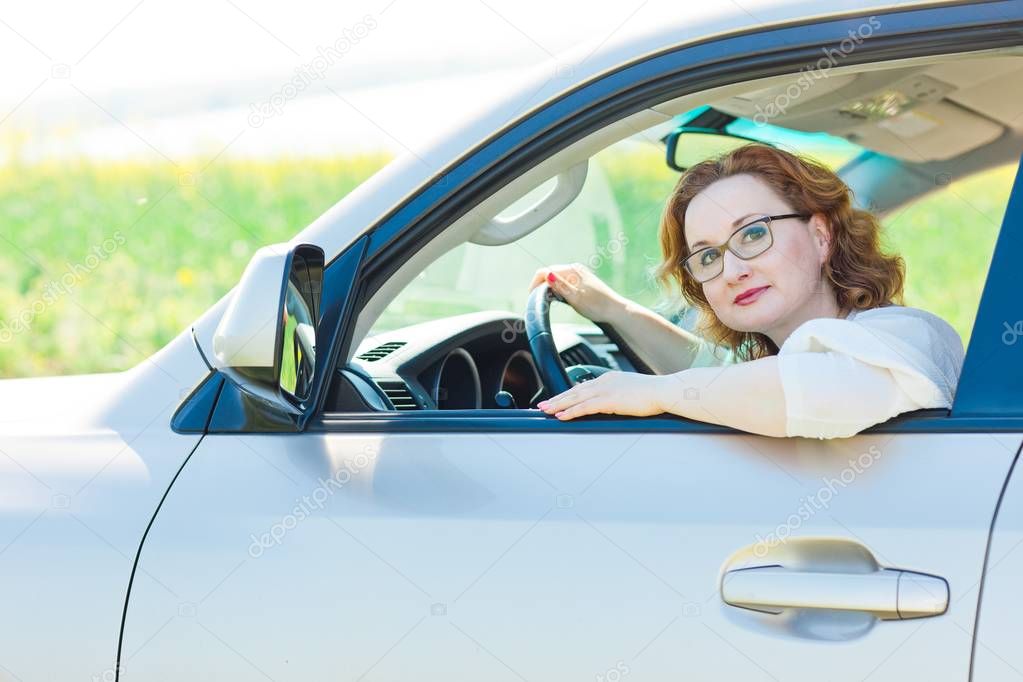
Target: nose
734	269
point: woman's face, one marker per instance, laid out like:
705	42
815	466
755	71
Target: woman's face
790	268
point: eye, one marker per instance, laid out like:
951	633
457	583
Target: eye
753	232
708	256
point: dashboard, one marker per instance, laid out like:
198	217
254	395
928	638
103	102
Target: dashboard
473	361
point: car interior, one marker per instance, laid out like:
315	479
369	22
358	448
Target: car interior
449	329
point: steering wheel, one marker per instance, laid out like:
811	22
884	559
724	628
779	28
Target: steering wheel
541	342
555	376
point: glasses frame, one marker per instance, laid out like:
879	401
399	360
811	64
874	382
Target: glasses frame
765	219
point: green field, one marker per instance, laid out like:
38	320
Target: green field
186	240
100	265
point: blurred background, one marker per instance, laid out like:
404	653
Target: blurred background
147	148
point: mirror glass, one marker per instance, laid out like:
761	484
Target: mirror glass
298	325
694	145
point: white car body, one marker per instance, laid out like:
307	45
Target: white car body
553	556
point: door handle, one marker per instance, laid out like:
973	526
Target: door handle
888	594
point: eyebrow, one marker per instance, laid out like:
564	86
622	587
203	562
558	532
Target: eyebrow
735	223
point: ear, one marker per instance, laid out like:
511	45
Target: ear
821	232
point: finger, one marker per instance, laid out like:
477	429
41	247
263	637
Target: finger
552	405
591	406
555	402
562	286
570	277
575	274
539	278
570	397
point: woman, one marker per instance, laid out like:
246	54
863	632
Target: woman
810	334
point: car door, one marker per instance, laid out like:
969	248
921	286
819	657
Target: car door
452	554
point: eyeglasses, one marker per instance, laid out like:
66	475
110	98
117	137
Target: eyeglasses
749	241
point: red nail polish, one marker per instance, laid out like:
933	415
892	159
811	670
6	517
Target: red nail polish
551	278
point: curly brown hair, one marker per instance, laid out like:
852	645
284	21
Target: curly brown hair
861	274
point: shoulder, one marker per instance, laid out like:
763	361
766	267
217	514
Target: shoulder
916	326
897	312
901	338
904	325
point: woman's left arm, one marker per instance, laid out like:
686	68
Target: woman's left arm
746	396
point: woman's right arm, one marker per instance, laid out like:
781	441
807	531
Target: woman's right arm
665	347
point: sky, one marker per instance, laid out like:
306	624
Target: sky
124	78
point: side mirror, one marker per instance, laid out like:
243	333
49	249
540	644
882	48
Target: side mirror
266	340
688	145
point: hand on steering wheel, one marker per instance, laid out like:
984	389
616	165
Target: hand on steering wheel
579	287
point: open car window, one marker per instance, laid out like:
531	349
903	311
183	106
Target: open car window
473	297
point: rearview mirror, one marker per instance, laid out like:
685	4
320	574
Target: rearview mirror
266	340
688	145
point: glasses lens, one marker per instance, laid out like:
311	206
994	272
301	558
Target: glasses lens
752	240
704	264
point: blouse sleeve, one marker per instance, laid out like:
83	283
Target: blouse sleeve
833	395
841	376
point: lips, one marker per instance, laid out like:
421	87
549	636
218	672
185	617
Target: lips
747	295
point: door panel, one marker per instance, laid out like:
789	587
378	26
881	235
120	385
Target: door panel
554	556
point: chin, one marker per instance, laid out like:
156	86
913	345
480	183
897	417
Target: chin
753	319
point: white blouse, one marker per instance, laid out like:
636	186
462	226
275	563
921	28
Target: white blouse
840	376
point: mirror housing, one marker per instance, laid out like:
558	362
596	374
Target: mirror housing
688	145
266	341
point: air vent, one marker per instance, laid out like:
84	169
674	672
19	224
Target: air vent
381	351
576	355
397	392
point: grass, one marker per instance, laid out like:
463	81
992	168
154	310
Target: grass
947	240
102	264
